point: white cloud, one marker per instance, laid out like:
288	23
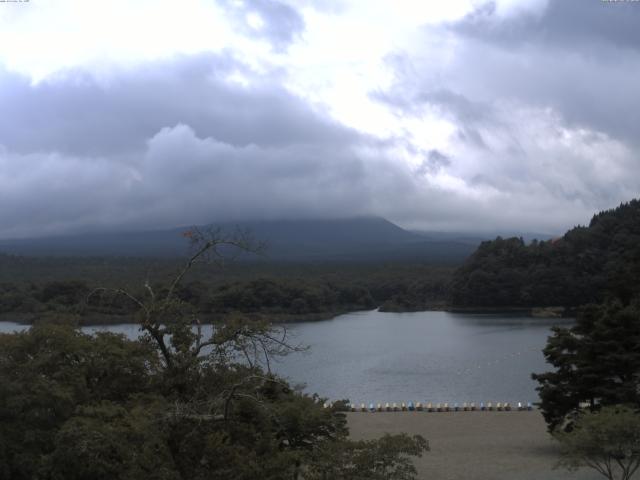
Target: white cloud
41	38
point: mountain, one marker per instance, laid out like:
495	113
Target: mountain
585	265
351	239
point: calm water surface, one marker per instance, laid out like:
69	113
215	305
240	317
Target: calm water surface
423	356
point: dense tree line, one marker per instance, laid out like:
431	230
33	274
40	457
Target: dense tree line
587	264
310	294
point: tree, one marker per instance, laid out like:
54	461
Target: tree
48	375
173	405
597	363
383	459
607	441
585	265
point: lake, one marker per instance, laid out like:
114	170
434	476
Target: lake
422	356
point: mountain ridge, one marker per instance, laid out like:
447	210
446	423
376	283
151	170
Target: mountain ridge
357	239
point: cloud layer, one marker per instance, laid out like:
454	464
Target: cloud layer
493	115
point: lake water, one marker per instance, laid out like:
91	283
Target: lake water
400	357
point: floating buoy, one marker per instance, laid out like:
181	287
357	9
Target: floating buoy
431	407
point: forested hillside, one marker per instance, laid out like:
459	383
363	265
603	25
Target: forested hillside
586	265
33	288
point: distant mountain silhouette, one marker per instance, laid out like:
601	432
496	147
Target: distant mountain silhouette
351	239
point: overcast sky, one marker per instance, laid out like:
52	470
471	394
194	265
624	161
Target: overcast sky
438	115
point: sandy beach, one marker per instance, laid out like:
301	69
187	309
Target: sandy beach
474	445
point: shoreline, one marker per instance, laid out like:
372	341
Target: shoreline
99	319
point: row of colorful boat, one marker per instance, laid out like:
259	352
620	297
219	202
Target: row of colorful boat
437	407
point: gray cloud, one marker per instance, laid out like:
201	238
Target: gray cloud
180	178
77	114
552	121
570	24
580	57
433	161
547	131
281	22
177	142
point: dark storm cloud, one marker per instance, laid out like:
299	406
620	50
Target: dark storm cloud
433	161
566	23
180	178
76	114
581	57
177	142
281	22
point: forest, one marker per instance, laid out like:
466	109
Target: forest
588	264
34	288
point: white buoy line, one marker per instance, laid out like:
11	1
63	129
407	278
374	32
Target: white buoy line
436	407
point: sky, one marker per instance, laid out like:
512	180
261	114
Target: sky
457	115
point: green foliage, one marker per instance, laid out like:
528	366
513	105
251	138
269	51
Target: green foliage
596	361
172	405
275	291
288	296
607	441
388	458
47	373
74	406
586	265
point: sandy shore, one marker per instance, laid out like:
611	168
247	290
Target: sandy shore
474	445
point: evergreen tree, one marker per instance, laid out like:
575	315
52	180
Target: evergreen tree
597	361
